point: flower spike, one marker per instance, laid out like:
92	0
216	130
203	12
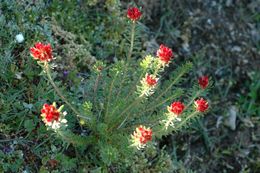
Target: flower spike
149	83
150	80
141	136
42	52
53	117
201	105
174	111
176	108
165	54
134	14
203	82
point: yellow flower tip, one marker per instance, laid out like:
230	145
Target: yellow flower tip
82	122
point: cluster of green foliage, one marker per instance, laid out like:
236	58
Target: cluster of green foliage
104	95
251	101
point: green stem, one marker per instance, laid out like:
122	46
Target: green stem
46	140
193	98
127	60
95	89
66	138
182	123
186	119
132	42
132	104
109	96
169	87
142	95
74	139
188	105
47	70
143	72
157	70
124	111
135	83
157	105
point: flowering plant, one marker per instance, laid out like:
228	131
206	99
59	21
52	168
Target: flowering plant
121	98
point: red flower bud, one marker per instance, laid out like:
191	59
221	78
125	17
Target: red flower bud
143	134
150	80
203	82
176	108
133	13
41	52
165	54
201	105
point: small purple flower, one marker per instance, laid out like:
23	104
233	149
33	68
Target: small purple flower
65	72
7	150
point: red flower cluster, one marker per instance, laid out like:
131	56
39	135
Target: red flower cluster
50	113
165	54
133	13
41	52
143	134
176	108
151	81
203	82
201	105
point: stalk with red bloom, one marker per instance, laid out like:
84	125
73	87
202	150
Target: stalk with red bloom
134	13
201	106
149	83
42	52
174	112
